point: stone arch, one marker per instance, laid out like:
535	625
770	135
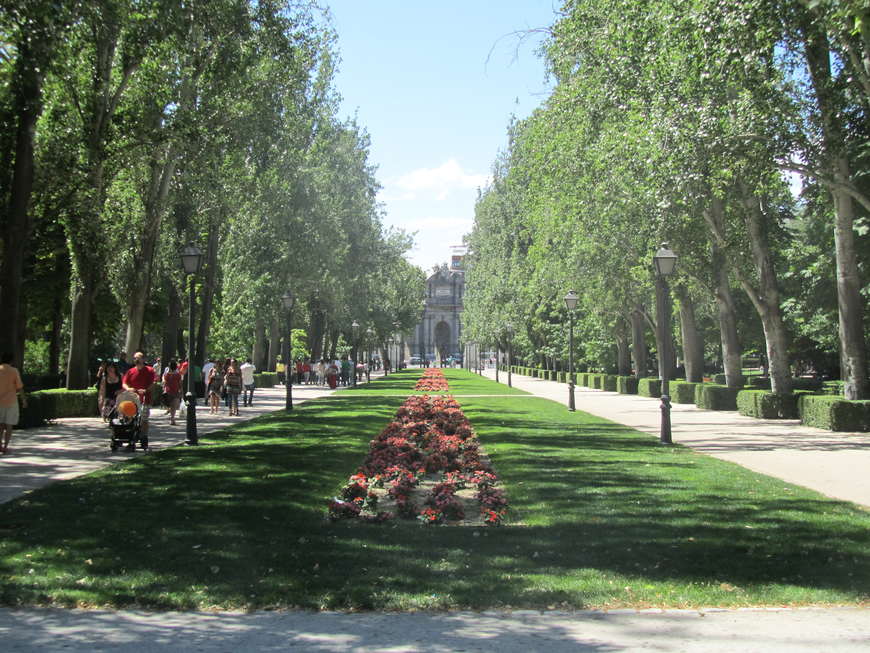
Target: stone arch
442	339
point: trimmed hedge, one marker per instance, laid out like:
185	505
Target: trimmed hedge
34	382
595	381
809	385
718	379
684	393
834	413
766	405
626	385
46	405
610	383
711	396
266	380
649	387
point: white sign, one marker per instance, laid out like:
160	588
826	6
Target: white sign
442	292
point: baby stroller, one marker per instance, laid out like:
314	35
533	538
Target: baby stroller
125	422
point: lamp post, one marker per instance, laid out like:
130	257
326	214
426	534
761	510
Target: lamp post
355	328
497	353
510	331
289	300
665	261
191	261
571	304
368	355
390	356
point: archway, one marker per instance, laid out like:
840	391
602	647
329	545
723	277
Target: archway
442	340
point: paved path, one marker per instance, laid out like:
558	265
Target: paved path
835	464
72	447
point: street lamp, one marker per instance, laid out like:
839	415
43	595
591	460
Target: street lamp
497	353
571	304
289	300
355	328
665	261
368	355
191	261
510	331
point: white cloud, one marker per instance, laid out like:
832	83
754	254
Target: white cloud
446	177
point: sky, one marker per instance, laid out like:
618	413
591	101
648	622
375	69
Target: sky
435	83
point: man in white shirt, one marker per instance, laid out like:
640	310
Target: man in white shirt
248	381
206	370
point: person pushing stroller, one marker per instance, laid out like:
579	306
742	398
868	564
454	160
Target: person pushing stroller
141	379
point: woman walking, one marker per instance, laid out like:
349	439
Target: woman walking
233	382
215	385
110	387
172	388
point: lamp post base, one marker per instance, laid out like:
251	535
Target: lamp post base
571	407
191	436
665	437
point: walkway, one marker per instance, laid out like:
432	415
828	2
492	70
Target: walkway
835	464
76	446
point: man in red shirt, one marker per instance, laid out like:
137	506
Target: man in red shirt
141	378
10	383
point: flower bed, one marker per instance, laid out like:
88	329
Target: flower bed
426	464
433	381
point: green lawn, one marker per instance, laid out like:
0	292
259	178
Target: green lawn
611	519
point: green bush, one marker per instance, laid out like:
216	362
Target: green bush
718	379
626	385
759	382
562	377
44	406
649	387
710	396
595	381
610	383
833	388
266	380
834	413
766	405
810	385
684	393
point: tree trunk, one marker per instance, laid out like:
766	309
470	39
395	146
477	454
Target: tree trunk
16	227
623	350
693	350
853	343
80	331
273	346
207	294
259	336
56	335
171	325
766	296
638	344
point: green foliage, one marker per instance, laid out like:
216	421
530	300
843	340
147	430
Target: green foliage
763	404
684	393
649	387
834	413
709	396
610	383
627	385
46	405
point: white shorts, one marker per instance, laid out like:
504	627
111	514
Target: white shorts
9	414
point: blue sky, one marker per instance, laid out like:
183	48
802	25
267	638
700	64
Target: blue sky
435	84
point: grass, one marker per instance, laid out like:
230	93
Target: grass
611	520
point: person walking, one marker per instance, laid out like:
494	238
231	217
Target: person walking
321	372
215	386
172	388
247	371
306	372
233	382
110	387
10	384
141	379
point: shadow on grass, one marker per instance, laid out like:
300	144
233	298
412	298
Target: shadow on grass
239	524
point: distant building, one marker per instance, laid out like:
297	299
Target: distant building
438	333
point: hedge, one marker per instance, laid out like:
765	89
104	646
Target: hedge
266	380
684	393
718	379
626	385
595	381
800	383
710	396
610	383
834	413
762	404
649	387
34	382
46	405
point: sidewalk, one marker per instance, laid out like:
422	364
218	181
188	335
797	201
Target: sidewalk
76	446
835	464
